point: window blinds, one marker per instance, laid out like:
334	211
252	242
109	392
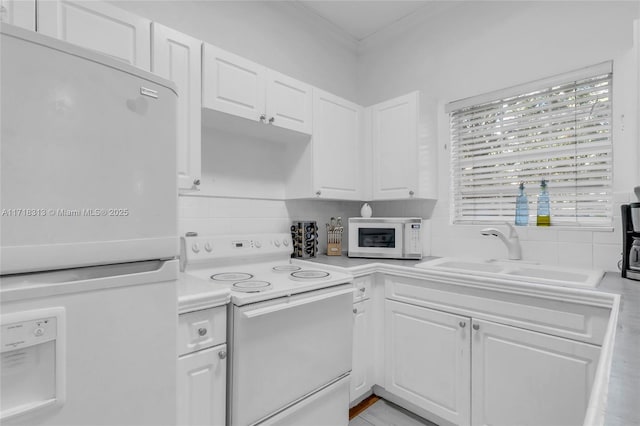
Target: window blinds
558	129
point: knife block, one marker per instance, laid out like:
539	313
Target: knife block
334	243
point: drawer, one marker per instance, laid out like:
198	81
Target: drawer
364	288
202	329
561	318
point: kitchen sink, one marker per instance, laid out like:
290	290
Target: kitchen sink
518	271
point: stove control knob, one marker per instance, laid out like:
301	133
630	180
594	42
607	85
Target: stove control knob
207	247
195	247
285	242
276	243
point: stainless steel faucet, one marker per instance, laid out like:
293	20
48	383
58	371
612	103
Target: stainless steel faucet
512	242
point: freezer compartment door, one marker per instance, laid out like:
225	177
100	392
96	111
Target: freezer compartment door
88	159
287	348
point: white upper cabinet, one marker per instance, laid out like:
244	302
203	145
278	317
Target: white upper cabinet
394	138
177	57
237	86
337	147
232	84
288	102
99	26
21	13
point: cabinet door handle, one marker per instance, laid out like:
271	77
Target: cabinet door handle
355	310
222	354
196	182
271	120
411	193
263	117
202	331
362	289
462	324
318	193
476	326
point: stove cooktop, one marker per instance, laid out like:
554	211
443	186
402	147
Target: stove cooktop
254	267
265	281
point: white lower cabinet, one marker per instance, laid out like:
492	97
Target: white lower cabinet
202	387
202	367
527	378
469	371
362	364
427	359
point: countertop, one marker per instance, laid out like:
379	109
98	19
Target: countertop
624	381
195	294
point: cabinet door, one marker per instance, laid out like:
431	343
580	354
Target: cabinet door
177	57
99	26
337	148
362	364
527	378
395	148
289	102
202	387
21	13
232	84
427	359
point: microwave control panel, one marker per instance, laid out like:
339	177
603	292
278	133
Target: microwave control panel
413	238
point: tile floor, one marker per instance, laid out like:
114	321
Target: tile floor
384	413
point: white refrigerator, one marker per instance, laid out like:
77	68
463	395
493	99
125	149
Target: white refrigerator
88	232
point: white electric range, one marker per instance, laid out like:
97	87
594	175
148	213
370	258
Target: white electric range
289	329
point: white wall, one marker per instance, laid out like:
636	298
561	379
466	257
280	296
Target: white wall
469	48
276	34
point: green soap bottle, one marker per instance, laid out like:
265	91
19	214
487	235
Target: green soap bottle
544	211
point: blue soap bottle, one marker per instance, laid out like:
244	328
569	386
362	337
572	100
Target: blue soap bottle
522	207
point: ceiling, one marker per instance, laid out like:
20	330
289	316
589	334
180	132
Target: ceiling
361	19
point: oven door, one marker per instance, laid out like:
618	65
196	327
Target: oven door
283	350
382	239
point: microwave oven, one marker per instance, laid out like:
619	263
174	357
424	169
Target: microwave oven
385	237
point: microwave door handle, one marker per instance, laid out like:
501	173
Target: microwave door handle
287	305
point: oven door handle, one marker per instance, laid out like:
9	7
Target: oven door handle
300	302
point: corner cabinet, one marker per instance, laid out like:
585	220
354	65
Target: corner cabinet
237	86
21	13
403	135
428	359
178	57
394	138
98	26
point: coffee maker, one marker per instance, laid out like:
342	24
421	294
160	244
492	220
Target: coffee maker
631	240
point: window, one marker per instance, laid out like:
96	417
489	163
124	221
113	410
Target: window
558	129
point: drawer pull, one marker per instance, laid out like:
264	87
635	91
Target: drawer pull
202	331
462	324
362	289
476	326
222	354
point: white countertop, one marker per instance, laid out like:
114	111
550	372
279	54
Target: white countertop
195	294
